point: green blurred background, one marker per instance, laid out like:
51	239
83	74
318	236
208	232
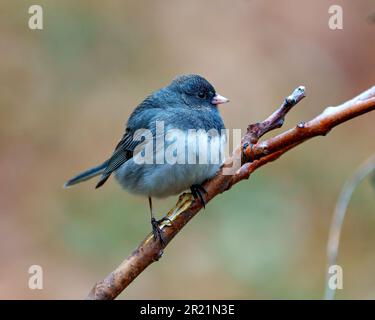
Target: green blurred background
65	95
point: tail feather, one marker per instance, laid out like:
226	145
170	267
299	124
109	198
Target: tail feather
102	180
86	175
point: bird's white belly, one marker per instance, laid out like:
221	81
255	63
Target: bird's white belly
162	180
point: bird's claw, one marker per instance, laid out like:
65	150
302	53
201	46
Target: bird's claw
158	234
197	191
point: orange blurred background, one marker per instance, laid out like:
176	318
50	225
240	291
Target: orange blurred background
67	90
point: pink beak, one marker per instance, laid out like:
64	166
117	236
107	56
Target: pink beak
218	99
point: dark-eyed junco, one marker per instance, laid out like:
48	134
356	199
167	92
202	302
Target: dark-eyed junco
168	143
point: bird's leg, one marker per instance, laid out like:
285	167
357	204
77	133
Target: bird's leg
158	235
198	191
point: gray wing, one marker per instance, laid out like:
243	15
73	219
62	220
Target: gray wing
143	116
123	152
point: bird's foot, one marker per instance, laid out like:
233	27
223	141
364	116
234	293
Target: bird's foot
198	191
158	234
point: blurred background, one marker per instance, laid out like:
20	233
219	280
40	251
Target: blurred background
67	90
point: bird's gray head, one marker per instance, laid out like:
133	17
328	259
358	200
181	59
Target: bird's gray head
196	91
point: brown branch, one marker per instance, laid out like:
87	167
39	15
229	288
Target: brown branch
251	155
319	126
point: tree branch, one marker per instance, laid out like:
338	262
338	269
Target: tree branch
246	158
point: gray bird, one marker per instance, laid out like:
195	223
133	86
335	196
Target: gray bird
188	104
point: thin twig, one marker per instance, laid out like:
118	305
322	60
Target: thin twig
275	120
339	215
251	157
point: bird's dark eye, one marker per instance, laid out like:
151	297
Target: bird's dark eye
202	95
